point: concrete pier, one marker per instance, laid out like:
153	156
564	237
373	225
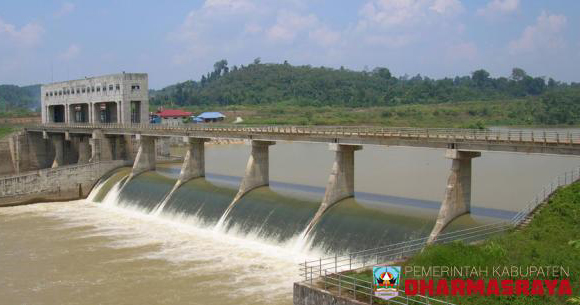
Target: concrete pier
194	163
341	181
457	199
84	150
257	171
145	160
58	142
100	147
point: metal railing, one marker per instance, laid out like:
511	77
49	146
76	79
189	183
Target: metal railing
547	191
330	269
454	134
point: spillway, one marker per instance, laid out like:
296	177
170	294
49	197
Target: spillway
270	215
276	216
201	199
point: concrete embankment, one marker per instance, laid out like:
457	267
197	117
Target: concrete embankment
305	294
54	184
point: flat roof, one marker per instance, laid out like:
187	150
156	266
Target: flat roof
94	77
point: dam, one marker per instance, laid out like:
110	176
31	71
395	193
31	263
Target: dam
180	255
179	216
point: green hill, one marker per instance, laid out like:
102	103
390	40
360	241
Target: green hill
14	98
260	84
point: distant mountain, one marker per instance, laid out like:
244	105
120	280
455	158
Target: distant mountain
13	97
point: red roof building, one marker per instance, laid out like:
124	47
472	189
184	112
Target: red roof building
173	113
173	116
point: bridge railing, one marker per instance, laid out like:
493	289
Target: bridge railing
330	270
459	134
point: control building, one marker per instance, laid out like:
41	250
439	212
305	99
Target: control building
116	98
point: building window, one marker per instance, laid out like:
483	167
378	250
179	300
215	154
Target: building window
104	88
46	94
110	87
83	90
117	87
50	93
60	92
98	89
135	87
78	91
93	89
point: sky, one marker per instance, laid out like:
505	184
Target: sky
173	40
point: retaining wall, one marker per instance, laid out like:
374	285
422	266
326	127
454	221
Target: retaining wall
54	184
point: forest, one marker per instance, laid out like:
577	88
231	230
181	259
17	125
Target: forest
15	100
269	84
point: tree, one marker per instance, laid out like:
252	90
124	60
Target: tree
382	73
257	61
518	74
220	66
480	78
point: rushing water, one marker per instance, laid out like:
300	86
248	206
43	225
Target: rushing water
123	246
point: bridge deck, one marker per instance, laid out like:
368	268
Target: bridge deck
524	141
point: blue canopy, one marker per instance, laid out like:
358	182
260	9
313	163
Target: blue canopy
211	115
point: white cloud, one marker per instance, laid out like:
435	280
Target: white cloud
230	28
288	25
65	9
498	7
392	12
545	34
70	53
447	6
28	35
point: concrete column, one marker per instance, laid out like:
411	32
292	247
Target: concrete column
129	151
100	147
84	150
194	163
66	114
257	170
58	142
119	115
162	147
145	160
15	152
457	199
91	110
341	181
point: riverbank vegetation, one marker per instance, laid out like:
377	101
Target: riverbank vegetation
551	239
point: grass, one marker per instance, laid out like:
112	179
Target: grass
472	114
551	239
5	130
